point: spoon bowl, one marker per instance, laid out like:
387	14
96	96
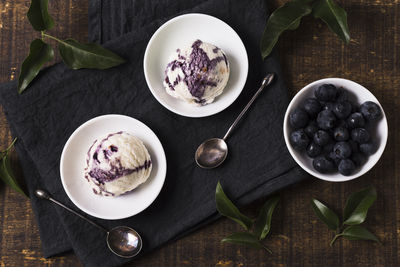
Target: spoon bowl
124	241
211	153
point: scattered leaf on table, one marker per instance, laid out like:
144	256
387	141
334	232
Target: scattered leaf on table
325	214
228	209
243	238
357	232
7	176
357	205
334	16
262	225
286	17
39	16
91	56
39	53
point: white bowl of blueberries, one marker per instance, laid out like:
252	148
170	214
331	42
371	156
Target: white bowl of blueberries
335	129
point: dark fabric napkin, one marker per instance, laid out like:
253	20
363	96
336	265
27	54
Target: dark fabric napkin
60	100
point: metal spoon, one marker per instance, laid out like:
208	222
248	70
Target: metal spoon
123	241
212	152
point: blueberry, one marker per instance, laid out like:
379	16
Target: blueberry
358	158
354	146
313	150
370	110
311	129
355	120
335	159
326	119
322	138
346	167
326	92
360	135
328	106
368	148
340	134
342	109
312	106
298	118
323	165
342	150
299	139
342	95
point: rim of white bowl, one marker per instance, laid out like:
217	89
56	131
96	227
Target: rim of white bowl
337	177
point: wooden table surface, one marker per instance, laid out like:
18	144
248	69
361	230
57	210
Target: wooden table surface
297	239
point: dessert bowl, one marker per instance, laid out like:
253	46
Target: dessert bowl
358	94
73	163
179	32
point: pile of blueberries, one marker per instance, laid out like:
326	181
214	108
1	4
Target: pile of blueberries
332	130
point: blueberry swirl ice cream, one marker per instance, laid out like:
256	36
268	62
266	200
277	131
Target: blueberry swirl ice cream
117	163
197	74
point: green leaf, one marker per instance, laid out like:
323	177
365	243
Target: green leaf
262	225
357	205
286	17
228	209
244	238
91	56
325	214
39	16
334	16
357	232
39	53
7	176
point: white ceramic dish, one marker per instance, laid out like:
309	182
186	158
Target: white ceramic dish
183	30
359	94
73	162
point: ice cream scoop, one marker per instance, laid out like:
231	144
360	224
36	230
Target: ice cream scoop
117	163
197	74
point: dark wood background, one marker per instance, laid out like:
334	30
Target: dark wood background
298	239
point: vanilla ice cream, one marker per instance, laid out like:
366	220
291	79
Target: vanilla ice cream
197	74
117	163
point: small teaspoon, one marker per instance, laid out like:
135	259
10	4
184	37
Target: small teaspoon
123	241
212	152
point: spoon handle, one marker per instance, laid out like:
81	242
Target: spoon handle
43	194
266	81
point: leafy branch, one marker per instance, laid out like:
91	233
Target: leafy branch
355	213
256	230
74	54
6	173
288	17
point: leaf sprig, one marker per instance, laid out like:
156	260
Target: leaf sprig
288	17
256	230
74	54
355	213
6	173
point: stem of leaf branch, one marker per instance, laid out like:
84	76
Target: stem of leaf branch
11	145
267	249
51	37
334	239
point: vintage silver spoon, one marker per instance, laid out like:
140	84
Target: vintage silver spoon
123	241
212	152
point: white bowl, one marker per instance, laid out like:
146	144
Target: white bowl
359	94
73	162
181	31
